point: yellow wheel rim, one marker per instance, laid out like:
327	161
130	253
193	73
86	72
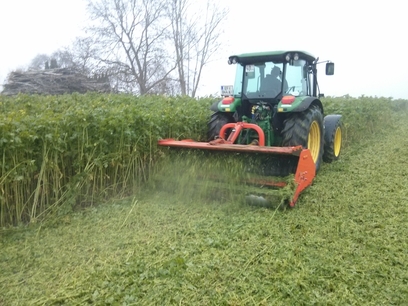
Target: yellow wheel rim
337	142
313	141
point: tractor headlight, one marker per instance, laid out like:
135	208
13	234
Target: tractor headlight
287	57
232	60
296	57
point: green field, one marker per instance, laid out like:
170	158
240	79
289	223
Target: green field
345	243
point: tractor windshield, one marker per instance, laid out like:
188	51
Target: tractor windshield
260	80
265	80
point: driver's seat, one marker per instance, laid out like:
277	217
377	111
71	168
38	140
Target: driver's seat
270	86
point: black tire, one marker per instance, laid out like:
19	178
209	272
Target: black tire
333	130
306	129
217	121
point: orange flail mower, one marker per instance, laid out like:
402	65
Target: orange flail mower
303	176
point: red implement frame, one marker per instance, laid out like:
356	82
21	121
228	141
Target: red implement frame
305	171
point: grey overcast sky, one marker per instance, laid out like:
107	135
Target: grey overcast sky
365	39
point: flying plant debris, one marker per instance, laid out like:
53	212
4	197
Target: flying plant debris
199	175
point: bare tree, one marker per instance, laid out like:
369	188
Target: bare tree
62	58
39	62
181	36
131	37
195	37
84	55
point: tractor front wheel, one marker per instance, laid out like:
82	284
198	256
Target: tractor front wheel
306	129
217	121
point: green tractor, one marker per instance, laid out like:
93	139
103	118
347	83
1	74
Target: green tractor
274	109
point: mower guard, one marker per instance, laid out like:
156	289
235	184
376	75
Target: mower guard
305	171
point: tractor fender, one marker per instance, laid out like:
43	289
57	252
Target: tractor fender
330	123
214	106
306	102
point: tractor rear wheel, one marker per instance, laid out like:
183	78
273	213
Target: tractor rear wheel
306	129
217	121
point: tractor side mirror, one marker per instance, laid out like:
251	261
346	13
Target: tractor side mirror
329	68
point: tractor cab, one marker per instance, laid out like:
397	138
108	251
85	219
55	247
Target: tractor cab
279	81
269	76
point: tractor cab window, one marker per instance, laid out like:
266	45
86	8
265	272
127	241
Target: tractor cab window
262	80
296	78
238	80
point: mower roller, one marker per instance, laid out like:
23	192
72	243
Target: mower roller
273	114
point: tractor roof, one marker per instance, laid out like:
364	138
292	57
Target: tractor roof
275	56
